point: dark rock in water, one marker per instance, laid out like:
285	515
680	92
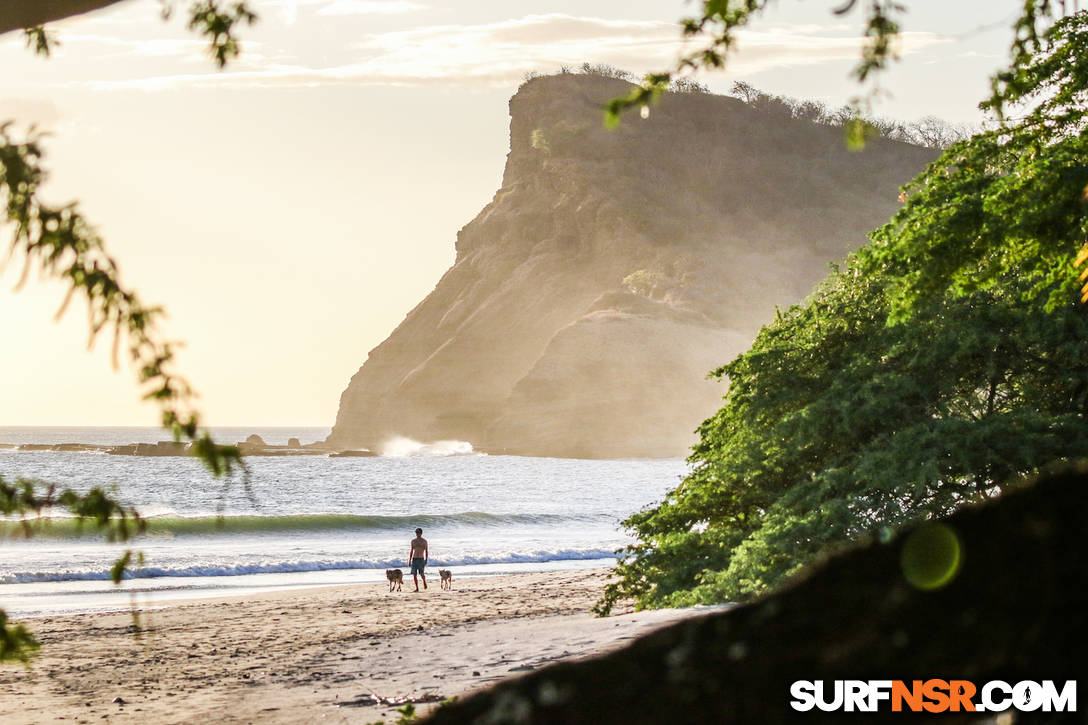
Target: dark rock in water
71	447
162	448
79	447
614	269
252	445
129	450
1017	609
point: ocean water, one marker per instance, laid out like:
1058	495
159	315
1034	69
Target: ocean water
310	520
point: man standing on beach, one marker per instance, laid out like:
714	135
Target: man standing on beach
418	556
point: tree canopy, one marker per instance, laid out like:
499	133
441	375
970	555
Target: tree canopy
947	357
839	426
1013	199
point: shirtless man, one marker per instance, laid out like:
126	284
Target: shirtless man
417	555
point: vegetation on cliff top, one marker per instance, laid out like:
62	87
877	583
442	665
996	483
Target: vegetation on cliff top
929	131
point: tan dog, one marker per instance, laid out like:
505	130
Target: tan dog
447	578
395	577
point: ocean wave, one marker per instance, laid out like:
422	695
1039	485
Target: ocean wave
401	447
287	567
70	528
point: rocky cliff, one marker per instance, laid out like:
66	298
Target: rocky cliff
614	269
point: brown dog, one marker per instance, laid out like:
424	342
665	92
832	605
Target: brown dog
395	577
447	578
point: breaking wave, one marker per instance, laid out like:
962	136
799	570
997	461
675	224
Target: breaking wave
401	447
70	528
283	567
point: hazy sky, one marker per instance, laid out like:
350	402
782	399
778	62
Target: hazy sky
288	212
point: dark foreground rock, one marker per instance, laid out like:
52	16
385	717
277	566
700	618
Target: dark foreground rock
1016	610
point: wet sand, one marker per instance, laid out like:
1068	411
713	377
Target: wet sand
312	654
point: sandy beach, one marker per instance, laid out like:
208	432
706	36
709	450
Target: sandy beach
311	654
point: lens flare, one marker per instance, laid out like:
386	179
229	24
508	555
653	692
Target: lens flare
931	557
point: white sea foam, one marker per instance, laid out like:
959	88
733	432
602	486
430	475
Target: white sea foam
402	447
283	567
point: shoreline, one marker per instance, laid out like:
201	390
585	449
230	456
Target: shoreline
311	654
33	601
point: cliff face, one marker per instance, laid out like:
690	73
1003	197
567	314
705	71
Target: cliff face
614	269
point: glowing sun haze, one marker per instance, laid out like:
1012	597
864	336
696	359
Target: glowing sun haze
289	211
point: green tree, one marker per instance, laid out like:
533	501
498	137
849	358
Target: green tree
644	282
947	358
839	426
1011	198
